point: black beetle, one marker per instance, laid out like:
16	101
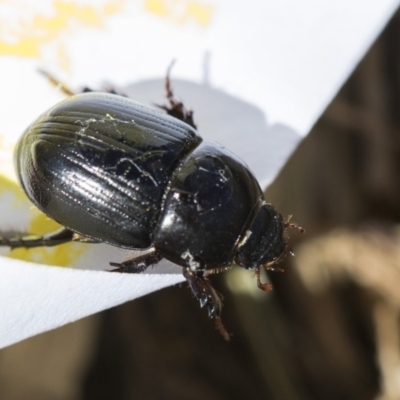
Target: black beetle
111	170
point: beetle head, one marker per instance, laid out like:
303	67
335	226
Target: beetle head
265	242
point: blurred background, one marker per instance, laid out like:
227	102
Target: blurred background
330	328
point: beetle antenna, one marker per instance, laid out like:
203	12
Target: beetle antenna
288	224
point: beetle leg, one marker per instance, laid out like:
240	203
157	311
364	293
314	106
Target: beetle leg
204	292
274	269
60	85
55	238
263	286
77	237
221	329
271	266
137	264
176	108
207	296
69	92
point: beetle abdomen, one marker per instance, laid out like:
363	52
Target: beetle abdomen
99	164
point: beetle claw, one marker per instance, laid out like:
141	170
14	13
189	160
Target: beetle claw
119	267
138	264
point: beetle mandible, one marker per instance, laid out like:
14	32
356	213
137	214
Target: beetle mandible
111	170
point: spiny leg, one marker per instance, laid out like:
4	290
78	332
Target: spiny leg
176	108
55	238
207	296
137	264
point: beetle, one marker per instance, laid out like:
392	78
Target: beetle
111	170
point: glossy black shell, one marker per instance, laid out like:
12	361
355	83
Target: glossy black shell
115	171
100	165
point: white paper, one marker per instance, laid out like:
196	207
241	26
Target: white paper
63	295
258	75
